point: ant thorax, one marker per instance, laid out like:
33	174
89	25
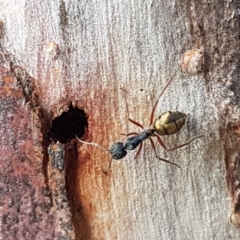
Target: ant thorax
133	142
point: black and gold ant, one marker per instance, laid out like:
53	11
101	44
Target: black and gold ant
167	123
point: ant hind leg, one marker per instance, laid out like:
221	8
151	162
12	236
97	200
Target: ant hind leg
162	159
184	144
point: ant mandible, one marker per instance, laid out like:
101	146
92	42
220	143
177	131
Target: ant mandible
167	123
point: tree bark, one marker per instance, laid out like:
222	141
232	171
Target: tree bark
112	59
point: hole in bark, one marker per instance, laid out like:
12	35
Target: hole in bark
68	125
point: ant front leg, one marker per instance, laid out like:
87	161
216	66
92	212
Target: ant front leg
129	134
129	119
136	123
166	86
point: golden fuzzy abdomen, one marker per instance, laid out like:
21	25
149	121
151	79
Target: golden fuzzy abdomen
169	122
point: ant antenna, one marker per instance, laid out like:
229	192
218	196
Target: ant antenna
96	145
91	143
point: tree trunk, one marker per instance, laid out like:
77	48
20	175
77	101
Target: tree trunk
82	68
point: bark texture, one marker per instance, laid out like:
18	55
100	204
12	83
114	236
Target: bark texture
112	59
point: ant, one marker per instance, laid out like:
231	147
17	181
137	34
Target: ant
167	123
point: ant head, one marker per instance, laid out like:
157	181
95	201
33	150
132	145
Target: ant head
117	150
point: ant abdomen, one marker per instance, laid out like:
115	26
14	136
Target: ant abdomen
169	122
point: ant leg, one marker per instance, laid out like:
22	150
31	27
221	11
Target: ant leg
138	151
160	141
129	134
155	105
162	159
182	145
136	123
129	119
